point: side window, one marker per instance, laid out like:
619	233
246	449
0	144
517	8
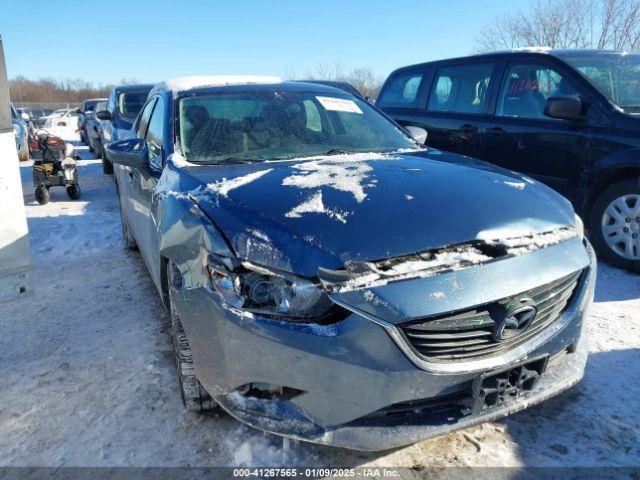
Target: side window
141	129
155	133
526	88
460	89
401	91
314	122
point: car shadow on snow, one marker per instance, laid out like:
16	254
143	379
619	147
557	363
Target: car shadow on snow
614	284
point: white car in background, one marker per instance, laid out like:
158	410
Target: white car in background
63	123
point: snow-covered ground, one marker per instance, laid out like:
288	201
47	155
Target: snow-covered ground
87	374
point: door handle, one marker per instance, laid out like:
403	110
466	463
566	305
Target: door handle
496	131
466	128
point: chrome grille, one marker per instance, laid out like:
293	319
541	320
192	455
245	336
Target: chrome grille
470	334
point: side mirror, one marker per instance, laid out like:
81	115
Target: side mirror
104	115
131	152
564	107
417	133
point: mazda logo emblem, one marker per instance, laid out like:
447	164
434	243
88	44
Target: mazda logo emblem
515	320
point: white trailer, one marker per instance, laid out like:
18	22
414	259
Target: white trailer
15	255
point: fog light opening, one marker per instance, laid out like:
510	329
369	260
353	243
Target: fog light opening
267	391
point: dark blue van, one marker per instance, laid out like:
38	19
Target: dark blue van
123	106
568	118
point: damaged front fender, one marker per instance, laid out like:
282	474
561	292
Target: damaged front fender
187	236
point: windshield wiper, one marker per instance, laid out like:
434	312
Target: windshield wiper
336	151
233	160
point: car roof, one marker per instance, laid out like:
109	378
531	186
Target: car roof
533	51
133	88
203	84
181	84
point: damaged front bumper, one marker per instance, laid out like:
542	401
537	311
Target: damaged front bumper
355	387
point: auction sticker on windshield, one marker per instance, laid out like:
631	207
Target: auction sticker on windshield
339	104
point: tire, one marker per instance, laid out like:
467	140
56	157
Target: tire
74	192
98	151
614	224
194	396
42	195
107	166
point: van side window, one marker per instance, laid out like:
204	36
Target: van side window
460	89
402	90
525	90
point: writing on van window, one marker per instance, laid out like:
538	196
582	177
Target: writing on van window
526	89
545	82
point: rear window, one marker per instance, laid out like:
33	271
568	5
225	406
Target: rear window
129	104
460	89
401	90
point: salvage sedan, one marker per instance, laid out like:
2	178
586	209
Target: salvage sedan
331	280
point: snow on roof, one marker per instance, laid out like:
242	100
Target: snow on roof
187	83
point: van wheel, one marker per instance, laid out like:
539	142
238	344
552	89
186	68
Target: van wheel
42	195
194	396
614	224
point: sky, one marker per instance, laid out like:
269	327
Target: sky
152	40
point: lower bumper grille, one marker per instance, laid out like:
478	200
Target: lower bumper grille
490	330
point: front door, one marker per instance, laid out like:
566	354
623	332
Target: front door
144	182
522	138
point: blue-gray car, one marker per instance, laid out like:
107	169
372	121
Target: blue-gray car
330	279
122	108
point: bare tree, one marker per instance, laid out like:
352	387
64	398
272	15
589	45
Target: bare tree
363	79
613	24
22	89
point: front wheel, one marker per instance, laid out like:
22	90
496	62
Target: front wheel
42	195
73	191
614	224
194	395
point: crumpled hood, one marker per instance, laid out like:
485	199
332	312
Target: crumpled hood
298	215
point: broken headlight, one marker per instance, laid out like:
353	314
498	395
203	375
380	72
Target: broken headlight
281	296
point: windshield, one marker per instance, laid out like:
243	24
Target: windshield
89	105
281	124
130	103
616	75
